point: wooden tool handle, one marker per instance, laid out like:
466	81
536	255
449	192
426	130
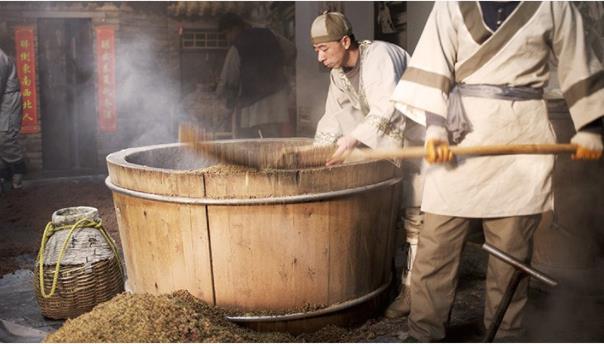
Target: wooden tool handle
313	156
553	148
420	152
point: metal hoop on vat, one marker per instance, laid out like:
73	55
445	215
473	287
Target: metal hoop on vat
303	315
253	201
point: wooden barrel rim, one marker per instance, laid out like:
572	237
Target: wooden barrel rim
121	157
313	197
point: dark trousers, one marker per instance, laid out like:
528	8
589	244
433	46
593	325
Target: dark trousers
11	154
436	266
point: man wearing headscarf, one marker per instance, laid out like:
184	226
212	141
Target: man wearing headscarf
358	112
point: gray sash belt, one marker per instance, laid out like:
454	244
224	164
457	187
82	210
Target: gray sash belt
458	124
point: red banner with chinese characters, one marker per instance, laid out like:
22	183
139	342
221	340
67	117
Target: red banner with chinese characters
105	57
26	70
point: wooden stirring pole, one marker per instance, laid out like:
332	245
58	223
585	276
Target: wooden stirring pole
316	156
420	152
310	156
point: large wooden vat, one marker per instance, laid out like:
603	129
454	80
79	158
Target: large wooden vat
274	242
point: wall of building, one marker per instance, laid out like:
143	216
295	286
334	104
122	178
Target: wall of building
148	82
147	73
417	15
148	61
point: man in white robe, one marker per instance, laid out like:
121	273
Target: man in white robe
253	80
476	79
358	111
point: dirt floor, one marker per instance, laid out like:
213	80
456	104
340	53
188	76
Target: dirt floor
24	213
560	316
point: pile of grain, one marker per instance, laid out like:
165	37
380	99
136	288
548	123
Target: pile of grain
178	317
328	334
374	330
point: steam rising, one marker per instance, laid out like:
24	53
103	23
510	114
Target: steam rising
148	88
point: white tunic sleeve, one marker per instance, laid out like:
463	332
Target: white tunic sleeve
427	81
579	70
380	73
328	128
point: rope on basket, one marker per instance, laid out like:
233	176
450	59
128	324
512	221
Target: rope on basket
50	230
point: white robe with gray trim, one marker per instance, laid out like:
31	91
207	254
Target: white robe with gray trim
457	47
367	114
271	109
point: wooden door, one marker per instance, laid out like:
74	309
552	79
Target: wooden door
67	99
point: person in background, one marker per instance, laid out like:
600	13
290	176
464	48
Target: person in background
12	163
476	78
253	81
358	112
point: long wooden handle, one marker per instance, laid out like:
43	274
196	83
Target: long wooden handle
420	152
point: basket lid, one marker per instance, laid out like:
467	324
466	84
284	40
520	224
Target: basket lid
86	245
71	215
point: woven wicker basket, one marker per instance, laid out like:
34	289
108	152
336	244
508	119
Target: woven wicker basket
86	278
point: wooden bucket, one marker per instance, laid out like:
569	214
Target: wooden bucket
303	246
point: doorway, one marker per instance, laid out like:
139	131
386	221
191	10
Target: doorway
67	96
